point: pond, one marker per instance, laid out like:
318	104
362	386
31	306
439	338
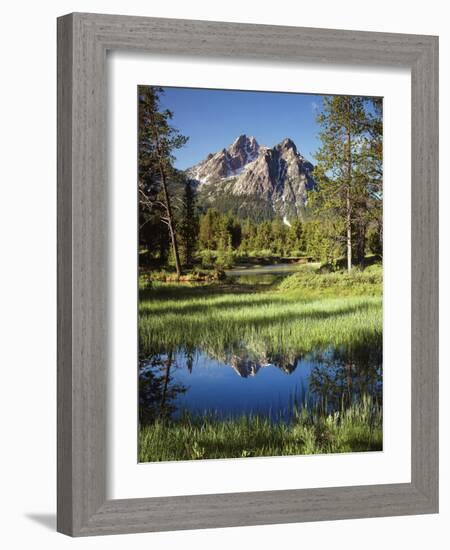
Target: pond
252	379
263	274
245	384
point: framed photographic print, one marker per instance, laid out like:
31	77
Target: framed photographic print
247	269
260	327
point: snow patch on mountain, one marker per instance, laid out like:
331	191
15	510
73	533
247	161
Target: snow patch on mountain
286	221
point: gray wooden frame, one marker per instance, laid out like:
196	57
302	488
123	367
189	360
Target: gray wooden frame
83	40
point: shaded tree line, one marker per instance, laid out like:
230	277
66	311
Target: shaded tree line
228	237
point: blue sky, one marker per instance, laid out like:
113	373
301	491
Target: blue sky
214	118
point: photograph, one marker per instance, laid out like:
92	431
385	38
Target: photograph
260	273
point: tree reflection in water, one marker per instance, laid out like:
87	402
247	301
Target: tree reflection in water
342	376
157	388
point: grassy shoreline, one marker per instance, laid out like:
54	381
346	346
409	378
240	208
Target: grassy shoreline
355	429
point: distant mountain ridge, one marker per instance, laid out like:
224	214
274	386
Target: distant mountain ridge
278	178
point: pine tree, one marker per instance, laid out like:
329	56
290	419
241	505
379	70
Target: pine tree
278	241
263	240
234	228
323	241
224	242
295	239
189	226
208	229
341	189
157	141
374	172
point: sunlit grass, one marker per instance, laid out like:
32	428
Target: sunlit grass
305	312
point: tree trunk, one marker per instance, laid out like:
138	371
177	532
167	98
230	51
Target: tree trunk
170	222
349	229
162	412
348	204
362	231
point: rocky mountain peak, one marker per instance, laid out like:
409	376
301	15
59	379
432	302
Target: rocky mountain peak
278	175
243	147
287	144
244	141
228	162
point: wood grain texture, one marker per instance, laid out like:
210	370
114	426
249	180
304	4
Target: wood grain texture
425	272
83	40
64	329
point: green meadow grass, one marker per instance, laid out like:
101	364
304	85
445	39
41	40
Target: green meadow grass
357	428
304	312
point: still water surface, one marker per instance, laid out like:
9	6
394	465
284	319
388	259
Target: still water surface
199	384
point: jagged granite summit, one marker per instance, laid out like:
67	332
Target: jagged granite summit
279	176
227	162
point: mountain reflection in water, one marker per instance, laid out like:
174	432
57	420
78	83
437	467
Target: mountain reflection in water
240	381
